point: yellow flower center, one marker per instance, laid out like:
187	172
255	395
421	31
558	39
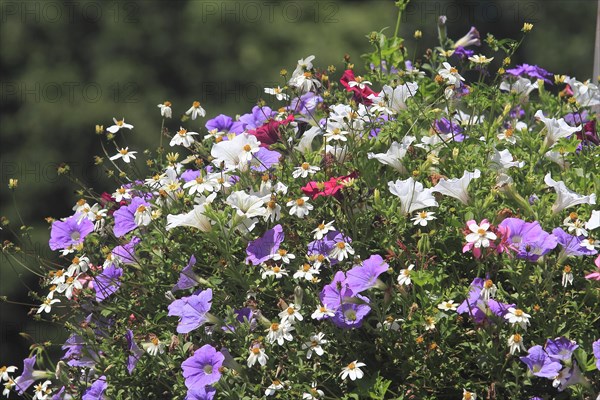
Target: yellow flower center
155	341
276	270
322	309
341	245
567	269
120	123
247	147
305	166
488	284
508	132
282	252
321	227
320	258
255	350
423	214
76	260
573	216
453	70
167	104
272	204
300	202
306	267
351	366
199	180
274	326
307	75
196	104
519	312
290	311
182	132
481	232
123	151
517	338
121	190
141	209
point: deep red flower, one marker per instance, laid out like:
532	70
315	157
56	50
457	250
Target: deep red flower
268	133
588	133
360	95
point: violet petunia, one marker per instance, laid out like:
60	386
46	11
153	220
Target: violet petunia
571	245
364	277
108	282
540	364
352	313
205	393
77	354
532	71
265	159
257	117
596	351
96	391
125	254
560	349
69	233
202	368
225	124
261	249
192	310
528	238
125	216
187	278
334	294
26	379
137	353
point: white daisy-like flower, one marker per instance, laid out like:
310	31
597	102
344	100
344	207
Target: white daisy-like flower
334	132
517	316
291	314
306	271
200	185
480	59
300	207
404	277
276	271
165	109
196	110
575	225
515	343
59	277
70	284
274	387
183	138
4	371
590	243
341	251
8	386
353	370
489	290
47	305
121	194
42	391
451	75
508	135
390	324
429	323
143	215
314	345
283	256
277	92
448	305
154	346
359	82
125	154
422	217
304	170
119	125
314	393
257	354
323	229
480	235
567	276
280	332
322	312
468	395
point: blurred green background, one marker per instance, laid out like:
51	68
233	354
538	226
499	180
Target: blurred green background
69	65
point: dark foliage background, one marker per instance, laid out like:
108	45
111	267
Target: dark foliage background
69	65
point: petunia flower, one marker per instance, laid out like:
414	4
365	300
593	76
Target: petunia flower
96	391
540	364
412	195
555	129
69	233
203	367
136	352
394	155
108	282
457	188
192	310
187	279
365	276
566	198
127	217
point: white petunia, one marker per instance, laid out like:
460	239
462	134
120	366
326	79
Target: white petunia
503	160
457	188
522	86
555	129
395	154
235	153
566	198
412	195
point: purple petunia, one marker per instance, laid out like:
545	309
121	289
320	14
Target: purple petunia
352	313
59	395
125	216
446	126
77	354
462	53
96	391
192	310
532	71
202	368
137	353
334	294
261	249
108	282
481	310
69	233
205	393
266	159
560	349
571	245
257	117
305	104
528	238
224	123
187	278
125	254
596	351
540	364
26	379
324	246
364	277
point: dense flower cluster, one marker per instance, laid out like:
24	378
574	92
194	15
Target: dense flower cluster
324	249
